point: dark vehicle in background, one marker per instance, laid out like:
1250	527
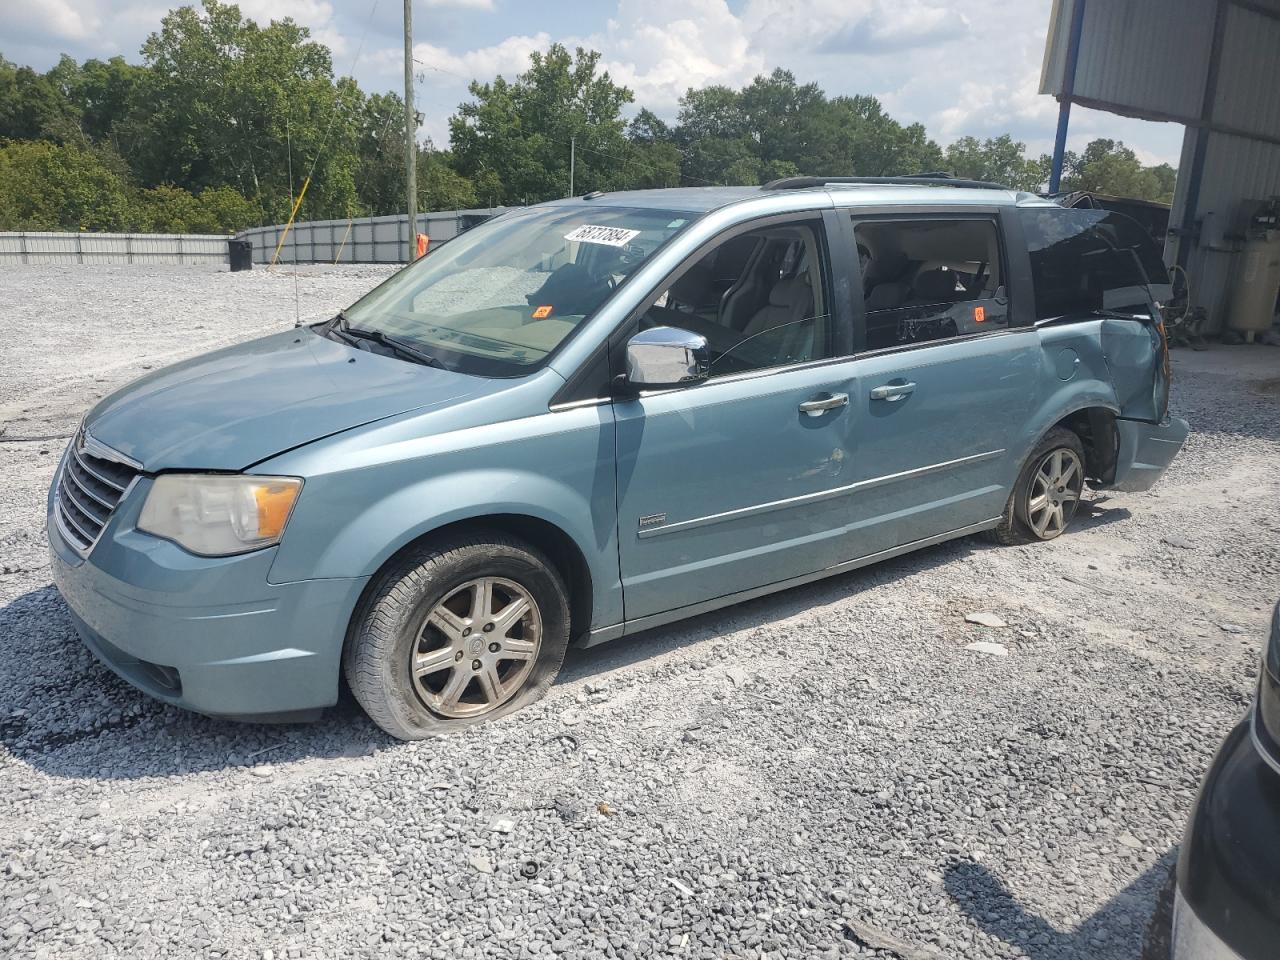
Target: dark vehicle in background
1224	902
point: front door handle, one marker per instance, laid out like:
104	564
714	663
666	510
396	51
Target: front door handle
820	405
892	391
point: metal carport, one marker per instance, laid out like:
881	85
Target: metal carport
1211	65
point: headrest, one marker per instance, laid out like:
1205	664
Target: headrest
787	291
934	286
884	266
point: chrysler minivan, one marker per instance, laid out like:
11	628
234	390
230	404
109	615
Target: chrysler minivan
597	415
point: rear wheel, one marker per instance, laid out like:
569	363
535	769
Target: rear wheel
456	633
1048	491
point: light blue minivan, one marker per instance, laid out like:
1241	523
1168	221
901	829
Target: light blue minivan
593	416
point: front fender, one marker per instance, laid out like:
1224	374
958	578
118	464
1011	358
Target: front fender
363	501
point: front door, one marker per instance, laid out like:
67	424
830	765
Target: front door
734	483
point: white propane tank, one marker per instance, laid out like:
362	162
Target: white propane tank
1255	282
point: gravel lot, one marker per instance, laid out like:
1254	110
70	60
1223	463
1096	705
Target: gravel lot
800	776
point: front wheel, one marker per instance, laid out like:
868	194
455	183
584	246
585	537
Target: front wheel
1048	491
456	633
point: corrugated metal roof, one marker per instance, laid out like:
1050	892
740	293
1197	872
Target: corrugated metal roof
1141	57
1248	92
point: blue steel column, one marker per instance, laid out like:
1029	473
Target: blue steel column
1064	98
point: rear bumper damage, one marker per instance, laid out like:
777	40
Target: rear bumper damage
1145	452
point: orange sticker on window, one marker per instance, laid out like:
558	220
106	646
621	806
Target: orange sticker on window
979	314
542	312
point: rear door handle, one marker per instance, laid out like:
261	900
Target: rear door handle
820	405
892	391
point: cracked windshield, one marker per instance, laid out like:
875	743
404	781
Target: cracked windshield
499	299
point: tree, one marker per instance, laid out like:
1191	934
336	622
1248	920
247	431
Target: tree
516	136
228	102
999	160
166	209
776	127
32	107
48	186
440	186
104	93
380	149
653	159
1108	166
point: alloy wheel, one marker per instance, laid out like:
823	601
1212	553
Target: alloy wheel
476	647
1055	492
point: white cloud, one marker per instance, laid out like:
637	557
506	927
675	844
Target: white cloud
510	57
53	19
661	48
317	15
460	4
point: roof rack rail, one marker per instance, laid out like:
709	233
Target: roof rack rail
918	179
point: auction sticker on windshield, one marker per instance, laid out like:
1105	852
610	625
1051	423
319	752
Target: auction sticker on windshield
609	236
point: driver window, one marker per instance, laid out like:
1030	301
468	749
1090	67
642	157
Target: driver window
759	298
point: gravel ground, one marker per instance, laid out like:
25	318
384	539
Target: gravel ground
827	772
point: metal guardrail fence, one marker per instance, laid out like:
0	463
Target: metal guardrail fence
361	240
108	248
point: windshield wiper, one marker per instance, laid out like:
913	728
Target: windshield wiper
341	326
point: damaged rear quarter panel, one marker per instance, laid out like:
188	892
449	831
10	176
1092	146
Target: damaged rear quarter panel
1075	376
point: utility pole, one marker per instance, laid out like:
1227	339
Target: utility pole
410	134
572	149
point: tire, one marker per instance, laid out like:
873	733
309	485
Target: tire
442	641
1157	943
1024	519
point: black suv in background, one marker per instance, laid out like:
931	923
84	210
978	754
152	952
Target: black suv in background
1225	904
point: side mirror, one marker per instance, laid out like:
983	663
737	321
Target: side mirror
667	357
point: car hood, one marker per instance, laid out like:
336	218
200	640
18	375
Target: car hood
229	409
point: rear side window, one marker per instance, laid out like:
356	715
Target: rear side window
1084	261
930	279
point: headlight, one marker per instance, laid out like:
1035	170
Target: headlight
1273	644
217	515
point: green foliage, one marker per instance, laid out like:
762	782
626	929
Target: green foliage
381	150
221	123
167	209
776	127
226	102
520	132
32	107
1108	166
998	160
49	186
440	186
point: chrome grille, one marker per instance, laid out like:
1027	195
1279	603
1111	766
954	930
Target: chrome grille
93	481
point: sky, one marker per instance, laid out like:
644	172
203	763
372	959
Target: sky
960	68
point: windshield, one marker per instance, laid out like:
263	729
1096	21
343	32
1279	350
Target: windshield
498	299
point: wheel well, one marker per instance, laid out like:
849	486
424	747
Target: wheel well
1096	428
558	546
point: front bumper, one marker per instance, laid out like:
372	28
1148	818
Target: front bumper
1228	905
209	634
1146	450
